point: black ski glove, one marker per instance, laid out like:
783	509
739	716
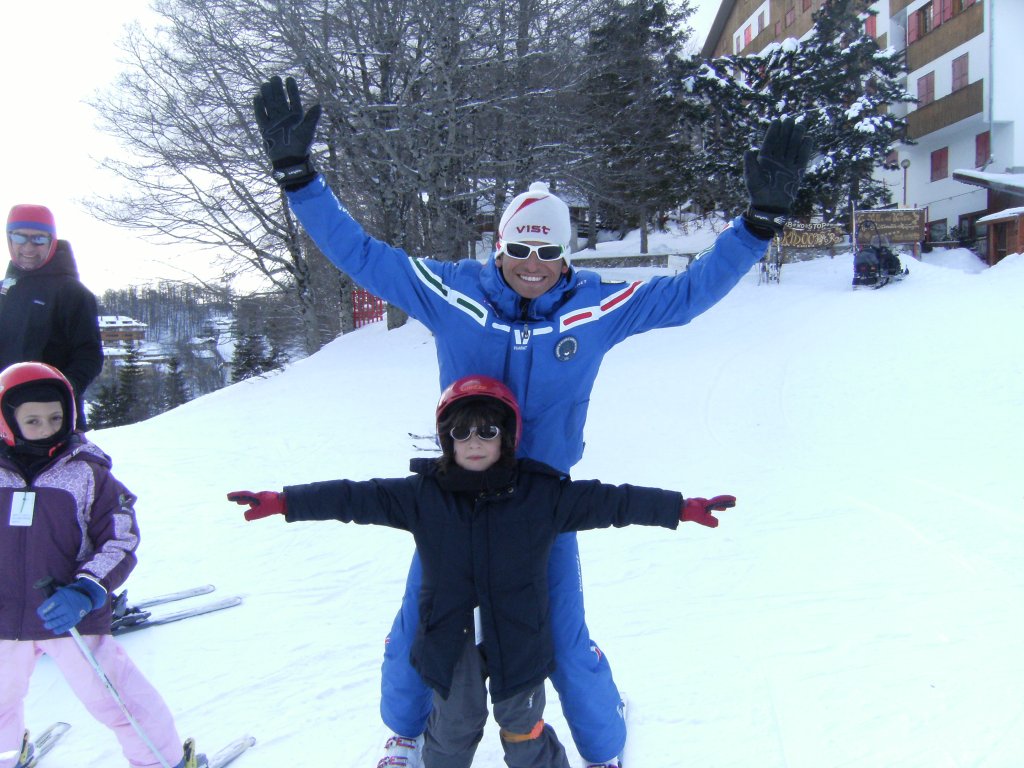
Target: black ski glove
773	176
287	131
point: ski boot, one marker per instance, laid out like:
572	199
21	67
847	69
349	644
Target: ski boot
28	751
193	759
400	752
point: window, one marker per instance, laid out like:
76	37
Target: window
919	23
960	72
926	89
937	230
982	149
790	17
807	5
892	160
748	35
778	28
761	22
871	26
940	163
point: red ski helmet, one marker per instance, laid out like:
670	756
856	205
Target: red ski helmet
480	387
38	217
22	382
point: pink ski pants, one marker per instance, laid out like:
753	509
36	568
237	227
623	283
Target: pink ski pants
18	660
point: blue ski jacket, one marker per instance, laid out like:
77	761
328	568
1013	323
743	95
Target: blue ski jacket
547	350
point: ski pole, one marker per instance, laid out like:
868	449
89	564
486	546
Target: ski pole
46	585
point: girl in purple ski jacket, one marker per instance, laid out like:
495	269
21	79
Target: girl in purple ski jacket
65	517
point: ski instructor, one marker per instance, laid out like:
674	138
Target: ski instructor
530	319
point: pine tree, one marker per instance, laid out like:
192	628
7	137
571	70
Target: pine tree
131	395
107	410
727	115
250	358
175	386
634	155
837	82
845	85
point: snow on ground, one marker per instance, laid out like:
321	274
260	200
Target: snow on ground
860	607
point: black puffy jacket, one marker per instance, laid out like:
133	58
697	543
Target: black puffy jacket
484	540
48	316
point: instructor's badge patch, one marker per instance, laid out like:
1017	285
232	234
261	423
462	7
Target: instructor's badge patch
566	348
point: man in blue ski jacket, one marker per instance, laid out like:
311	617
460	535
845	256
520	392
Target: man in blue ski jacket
531	320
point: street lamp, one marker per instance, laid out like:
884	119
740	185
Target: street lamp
904	164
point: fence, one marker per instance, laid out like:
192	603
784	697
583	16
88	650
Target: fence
366	308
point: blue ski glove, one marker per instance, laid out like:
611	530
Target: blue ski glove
698	510
287	131
69	605
773	174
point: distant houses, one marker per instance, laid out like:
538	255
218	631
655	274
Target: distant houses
120	333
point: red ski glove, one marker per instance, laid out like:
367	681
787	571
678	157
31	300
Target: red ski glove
261	504
699	510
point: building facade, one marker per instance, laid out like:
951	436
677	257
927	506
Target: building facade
962	62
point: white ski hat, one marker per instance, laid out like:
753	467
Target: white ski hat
536	215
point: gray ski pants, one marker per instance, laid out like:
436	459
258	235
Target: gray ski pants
456	724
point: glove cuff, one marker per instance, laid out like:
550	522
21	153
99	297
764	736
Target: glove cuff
765	224
93	590
294	173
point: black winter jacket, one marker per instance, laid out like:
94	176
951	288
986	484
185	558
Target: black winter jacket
484	539
48	316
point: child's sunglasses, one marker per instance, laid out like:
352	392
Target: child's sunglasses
522	251
486	432
19	239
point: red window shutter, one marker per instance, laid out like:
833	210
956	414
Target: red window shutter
960	72
871	26
940	163
926	89
947	10
982	144
912	32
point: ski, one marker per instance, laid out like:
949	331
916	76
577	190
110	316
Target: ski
432	447
225	756
136	621
39	748
125	613
171	597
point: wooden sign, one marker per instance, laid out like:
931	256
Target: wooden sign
900	225
798	234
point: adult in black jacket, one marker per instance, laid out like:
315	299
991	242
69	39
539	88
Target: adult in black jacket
484	525
46	314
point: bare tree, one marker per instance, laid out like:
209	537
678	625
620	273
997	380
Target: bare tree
195	171
435	112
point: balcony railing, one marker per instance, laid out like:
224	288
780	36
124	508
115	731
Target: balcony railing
950	109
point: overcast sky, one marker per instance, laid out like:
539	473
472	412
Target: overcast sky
55	56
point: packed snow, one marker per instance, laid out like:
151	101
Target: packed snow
860	607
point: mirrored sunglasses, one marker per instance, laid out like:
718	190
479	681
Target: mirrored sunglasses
522	251
19	239
486	432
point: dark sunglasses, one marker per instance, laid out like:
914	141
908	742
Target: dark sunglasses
19	239
486	432
522	251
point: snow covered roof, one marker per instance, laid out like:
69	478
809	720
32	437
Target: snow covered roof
1009	213
119	321
1004	182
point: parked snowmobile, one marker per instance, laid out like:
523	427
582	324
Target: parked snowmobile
875	264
